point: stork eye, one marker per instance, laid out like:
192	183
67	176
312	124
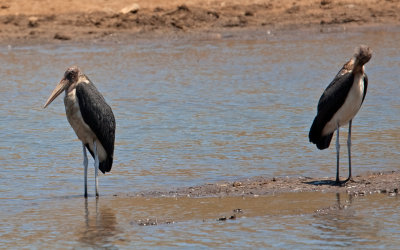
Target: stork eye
69	75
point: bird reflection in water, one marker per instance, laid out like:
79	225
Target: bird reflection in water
338	206
342	222
101	227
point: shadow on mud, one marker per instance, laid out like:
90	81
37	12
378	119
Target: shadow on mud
322	183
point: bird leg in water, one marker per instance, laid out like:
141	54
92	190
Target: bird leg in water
349	151
337	155
85	167
96	168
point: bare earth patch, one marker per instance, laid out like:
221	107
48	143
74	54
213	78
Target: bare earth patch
23	21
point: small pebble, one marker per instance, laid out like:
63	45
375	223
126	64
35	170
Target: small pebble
238	210
249	13
237	184
133	8
183	7
58	36
33	22
326	2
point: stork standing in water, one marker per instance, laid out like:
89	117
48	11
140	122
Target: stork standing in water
339	104
91	118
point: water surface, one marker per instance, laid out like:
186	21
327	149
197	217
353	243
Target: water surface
188	113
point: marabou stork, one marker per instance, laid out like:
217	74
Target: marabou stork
339	104
91	118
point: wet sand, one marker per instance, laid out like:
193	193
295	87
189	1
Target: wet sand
33	22
281	190
360	185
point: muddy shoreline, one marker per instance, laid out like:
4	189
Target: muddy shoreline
24	22
387	182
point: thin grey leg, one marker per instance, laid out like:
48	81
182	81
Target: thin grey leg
349	151
337	155
85	167
98	218
96	168
87	214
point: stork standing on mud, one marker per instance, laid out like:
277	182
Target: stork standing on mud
91	118
339	104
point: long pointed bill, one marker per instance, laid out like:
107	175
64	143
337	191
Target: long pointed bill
56	92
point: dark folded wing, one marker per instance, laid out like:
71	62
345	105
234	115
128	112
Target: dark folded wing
330	102
335	95
98	116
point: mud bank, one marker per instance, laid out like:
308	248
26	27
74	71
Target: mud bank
32	22
368	183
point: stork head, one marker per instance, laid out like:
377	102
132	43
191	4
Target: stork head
362	55
70	79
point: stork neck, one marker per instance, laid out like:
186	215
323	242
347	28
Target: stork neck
358	69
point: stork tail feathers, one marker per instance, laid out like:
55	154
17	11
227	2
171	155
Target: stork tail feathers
323	142
105	166
315	136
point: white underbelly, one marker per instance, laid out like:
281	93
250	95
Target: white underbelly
82	130
349	108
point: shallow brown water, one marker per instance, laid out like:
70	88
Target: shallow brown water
191	112
293	219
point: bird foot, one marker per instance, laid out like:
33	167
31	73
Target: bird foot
343	183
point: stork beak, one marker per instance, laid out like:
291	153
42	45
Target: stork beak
56	92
